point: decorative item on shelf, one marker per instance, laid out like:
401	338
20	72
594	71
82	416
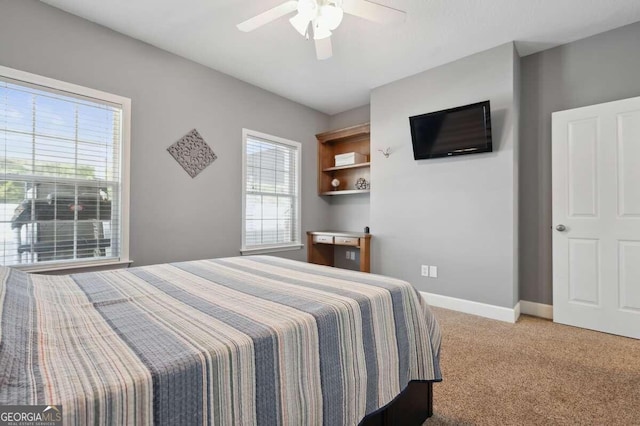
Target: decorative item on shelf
386	152
366	229
349	158
192	153
335	184
362	184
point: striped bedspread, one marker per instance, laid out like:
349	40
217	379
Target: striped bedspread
235	341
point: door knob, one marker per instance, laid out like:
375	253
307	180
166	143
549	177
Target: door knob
561	228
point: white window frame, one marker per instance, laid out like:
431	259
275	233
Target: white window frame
125	103
246	133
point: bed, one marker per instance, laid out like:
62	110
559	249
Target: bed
243	340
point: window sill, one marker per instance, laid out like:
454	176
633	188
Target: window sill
70	268
272	249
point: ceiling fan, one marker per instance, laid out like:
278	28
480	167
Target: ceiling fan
320	17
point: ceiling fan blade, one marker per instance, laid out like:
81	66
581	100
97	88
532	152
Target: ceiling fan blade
324	50
268	16
373	11
300	23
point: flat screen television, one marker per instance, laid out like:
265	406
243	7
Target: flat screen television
455	131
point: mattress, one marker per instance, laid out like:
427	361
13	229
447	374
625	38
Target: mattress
244	340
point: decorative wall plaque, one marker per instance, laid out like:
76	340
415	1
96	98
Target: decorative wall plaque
192	153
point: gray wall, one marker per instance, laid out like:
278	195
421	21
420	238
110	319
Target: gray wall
173	217
349	212
602	68
517	90
456	213
350	118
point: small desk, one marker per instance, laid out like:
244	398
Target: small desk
320	245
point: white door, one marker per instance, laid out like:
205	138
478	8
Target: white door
596	217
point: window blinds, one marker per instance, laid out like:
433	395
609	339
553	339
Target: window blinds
60	178
271	194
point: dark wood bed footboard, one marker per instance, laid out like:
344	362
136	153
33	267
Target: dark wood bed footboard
412	407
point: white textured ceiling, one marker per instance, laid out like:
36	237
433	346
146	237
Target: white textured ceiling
365	55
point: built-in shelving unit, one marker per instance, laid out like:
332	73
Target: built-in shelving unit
352	139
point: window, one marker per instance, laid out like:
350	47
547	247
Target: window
271	199
63	173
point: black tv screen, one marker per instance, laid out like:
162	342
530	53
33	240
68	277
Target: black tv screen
455	131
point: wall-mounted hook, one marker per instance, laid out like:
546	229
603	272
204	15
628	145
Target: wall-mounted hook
386	152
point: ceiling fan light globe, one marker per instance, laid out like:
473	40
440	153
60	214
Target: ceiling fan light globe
331	16
320	32
300	23
308	8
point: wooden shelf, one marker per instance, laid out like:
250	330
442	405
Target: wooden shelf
347	192
342	141
350	166
361	131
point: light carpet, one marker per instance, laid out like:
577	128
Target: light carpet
534	372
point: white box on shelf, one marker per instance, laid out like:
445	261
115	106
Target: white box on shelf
350	158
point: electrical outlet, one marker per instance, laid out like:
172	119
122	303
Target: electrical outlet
425	270
433	271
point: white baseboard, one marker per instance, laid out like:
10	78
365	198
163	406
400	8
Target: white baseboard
536	309
475	308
